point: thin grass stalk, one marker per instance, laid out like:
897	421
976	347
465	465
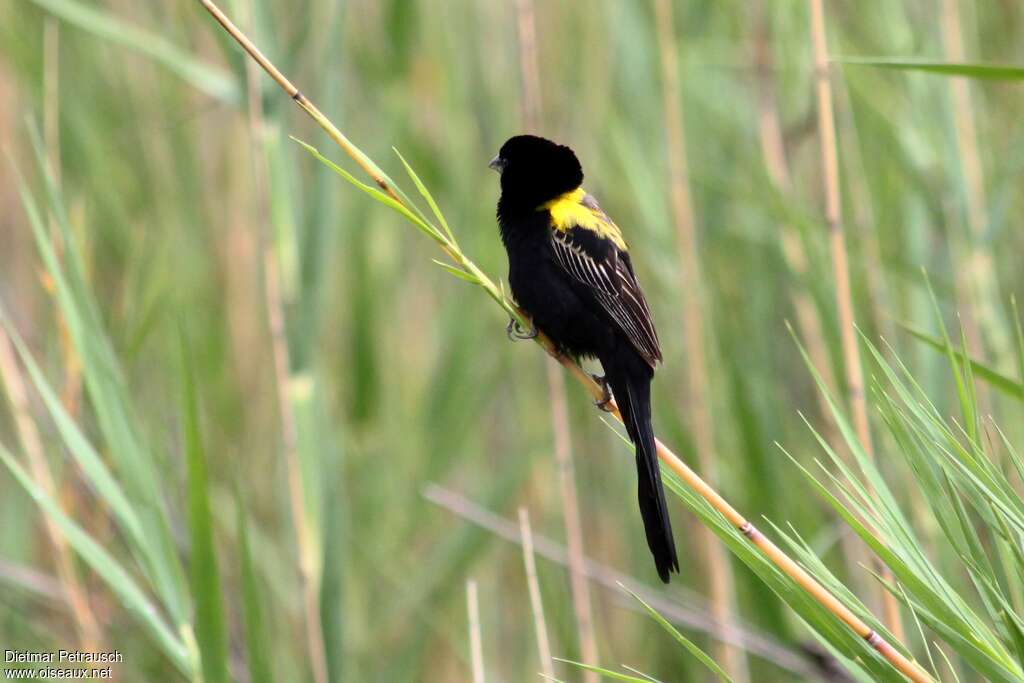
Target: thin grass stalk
51	102
863	214
274	303
580	589
540	626
717	568
51	142
773	151
33	581
841	273
980	271
476	648
28	434
88	627
771	551
578	585
681	606
72	385
974	287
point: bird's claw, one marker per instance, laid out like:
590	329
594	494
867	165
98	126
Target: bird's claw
516	332
606	395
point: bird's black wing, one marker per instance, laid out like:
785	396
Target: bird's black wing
606	271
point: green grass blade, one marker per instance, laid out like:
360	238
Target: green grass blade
104	564
701	656
104	25
375	193
77	444
211	635
1018	334
426	195
458	272
979	70
1007	385
256	640
136	464
614	675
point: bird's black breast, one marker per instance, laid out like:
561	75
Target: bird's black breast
558	306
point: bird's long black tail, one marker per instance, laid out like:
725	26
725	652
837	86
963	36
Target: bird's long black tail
631	386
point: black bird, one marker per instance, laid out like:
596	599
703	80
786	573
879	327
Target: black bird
570	271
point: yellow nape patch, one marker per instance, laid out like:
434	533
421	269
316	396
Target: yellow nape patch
568	211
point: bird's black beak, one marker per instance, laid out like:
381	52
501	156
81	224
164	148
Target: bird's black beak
497	164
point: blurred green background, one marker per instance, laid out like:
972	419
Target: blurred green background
179	182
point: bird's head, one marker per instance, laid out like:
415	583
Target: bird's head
535	170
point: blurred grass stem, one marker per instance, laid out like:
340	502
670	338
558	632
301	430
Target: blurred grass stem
841	271
698	396
476	650
808	319
536	603
273	300
28	434
980	282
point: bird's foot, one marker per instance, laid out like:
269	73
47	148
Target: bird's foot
516	332
604	403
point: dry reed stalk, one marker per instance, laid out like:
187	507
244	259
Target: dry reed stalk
536	604
979	277
282	376
772	552
841	273
476	648
28	434
580	590
698	398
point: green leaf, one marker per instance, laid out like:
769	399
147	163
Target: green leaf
457	272
979	70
